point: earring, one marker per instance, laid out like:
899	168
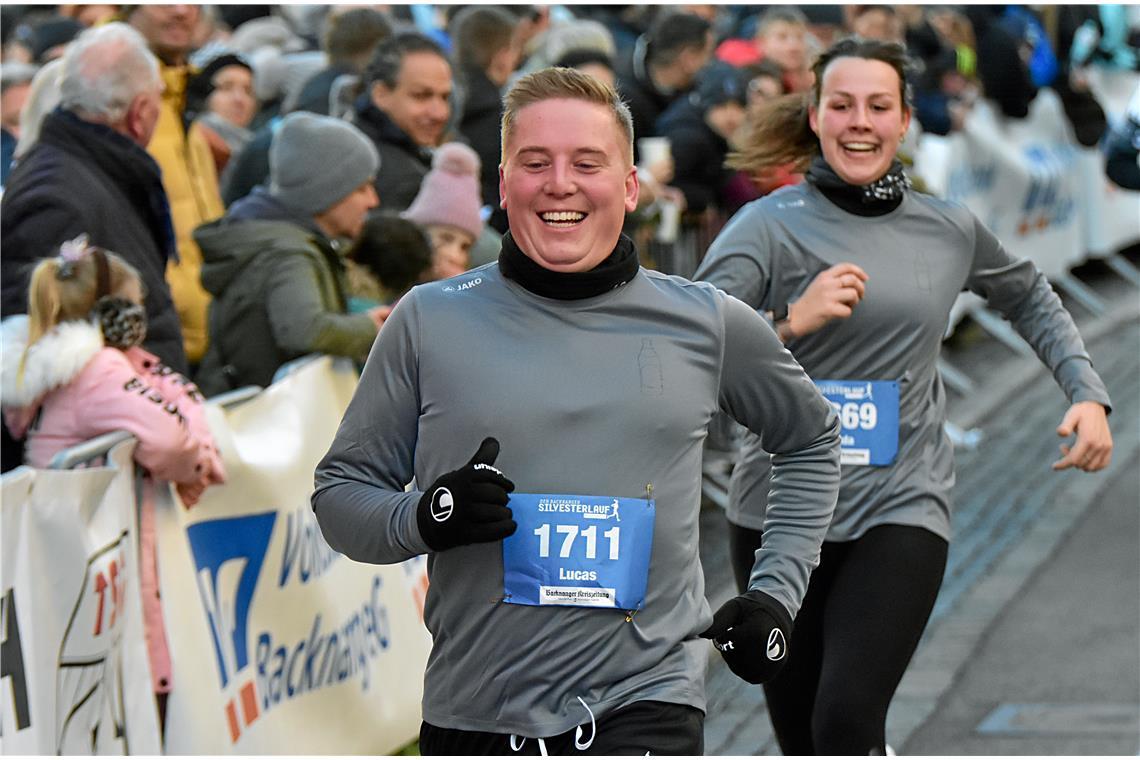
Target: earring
902	138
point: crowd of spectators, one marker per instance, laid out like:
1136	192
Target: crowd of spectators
165	133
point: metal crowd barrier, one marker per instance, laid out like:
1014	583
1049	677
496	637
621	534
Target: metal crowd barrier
100	445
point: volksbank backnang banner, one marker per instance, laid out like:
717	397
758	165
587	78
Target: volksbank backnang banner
280	645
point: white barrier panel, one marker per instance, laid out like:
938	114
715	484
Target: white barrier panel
1113	88
280	645
1045	197
77	679
1110	215
1019	176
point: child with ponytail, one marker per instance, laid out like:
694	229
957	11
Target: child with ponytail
73	369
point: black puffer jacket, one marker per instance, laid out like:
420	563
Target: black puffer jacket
403	163
698	155
87	178
480	123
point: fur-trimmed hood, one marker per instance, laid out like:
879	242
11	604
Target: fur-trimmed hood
54	361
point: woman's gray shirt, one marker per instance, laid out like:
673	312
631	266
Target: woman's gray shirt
918	258
598	396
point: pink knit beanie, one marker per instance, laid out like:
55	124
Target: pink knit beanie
449	193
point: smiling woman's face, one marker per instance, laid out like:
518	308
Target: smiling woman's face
861	118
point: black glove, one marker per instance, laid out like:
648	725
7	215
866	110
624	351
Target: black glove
752	633
468	505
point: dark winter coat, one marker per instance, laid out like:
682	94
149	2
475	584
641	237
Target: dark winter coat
1005	77
314	95
403	163
86	178
278	294
250	167
480	123
646	101
698	156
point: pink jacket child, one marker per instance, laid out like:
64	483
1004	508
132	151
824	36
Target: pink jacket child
72	370
74	388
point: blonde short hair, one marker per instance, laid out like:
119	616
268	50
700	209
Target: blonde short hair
557	83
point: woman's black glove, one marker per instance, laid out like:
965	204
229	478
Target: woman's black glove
752	632
468	505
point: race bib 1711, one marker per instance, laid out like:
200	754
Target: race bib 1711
578	551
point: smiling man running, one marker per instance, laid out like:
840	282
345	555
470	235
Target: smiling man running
589	381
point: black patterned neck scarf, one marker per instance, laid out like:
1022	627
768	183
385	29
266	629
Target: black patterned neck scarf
880	197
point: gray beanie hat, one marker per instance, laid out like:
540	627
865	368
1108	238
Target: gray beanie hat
315	161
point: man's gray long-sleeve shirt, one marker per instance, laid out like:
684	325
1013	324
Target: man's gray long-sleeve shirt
600	396
918	258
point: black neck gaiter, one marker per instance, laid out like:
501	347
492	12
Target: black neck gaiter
880	197
615	270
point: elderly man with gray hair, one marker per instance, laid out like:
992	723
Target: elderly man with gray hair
89	172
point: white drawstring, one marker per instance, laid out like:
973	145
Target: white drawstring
522	742
578	731
518	742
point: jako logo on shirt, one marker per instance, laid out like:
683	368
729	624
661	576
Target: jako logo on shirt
776	645
442	504
463	286
228	555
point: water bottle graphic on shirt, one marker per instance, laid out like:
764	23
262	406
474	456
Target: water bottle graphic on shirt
649	364
921	272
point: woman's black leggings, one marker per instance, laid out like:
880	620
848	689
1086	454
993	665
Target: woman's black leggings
866	607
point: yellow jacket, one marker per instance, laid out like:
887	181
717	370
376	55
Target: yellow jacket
191	184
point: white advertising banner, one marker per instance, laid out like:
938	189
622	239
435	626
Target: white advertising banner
1021	178
1110	215
1113	88
76	674
280	645
1044	196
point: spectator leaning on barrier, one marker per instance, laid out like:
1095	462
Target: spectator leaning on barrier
404	110
73	369
89	172
591	382
187	165
273	263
